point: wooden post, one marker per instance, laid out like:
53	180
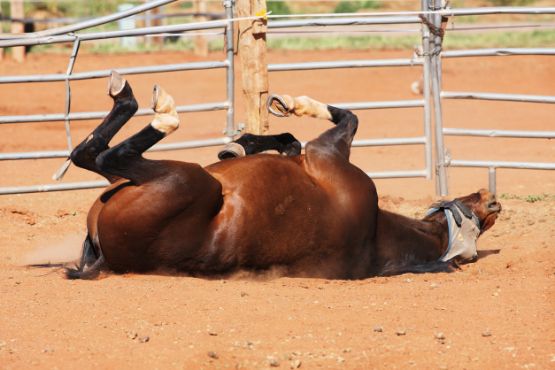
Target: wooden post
254	68
156	21
16	11
201	44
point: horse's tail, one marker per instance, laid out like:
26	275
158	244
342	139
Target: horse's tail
86	272
92	262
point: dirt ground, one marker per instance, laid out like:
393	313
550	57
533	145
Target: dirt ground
496	313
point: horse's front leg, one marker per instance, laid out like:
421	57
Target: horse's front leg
249	144
337	140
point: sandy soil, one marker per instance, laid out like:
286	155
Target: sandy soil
496	313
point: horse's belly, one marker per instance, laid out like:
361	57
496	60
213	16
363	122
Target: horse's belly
275	213
283	225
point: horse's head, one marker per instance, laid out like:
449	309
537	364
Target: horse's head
484	205
467	218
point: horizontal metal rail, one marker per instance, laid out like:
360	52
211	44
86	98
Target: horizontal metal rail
384	142
342	22
397	174
496	10
93	22
344	64
43	154
326	20
114	34
73	20
500	97
80	116
103	183
53	187
500	133
106	72
503	164
497	52
381	104
188	144
390	141
446	12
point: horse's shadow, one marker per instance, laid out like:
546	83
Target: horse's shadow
489	252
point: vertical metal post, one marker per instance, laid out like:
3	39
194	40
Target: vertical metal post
427	100
441	171
230	78
67	123
492	176
69	71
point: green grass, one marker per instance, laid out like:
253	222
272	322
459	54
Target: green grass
530	198
538	38
343	42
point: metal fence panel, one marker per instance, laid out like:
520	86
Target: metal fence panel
430	61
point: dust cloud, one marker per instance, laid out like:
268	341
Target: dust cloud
55	252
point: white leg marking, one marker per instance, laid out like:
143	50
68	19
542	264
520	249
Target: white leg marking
310	107
166	119
305	106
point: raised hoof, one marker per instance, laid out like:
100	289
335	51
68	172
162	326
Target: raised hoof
280	106
232	150
116	84
162	102
166	119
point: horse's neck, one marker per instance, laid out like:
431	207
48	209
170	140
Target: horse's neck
405	241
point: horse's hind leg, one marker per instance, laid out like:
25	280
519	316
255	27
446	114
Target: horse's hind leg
125	106
249	144
336	140
125	160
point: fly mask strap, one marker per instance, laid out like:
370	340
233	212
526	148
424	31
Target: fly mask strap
464	228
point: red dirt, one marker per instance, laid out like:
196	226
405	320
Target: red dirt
496	313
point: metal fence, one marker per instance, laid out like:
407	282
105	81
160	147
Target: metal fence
492	166
425	139
56	36
429	61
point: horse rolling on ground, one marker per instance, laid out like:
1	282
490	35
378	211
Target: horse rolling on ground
312	215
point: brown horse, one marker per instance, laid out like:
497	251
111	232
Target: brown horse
312	215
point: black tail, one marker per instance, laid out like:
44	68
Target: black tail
87	272
92	262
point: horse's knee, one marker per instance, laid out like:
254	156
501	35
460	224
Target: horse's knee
293	149
85	154
115	158
79	155
129	104
102	160
344	117
246	140
290	146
